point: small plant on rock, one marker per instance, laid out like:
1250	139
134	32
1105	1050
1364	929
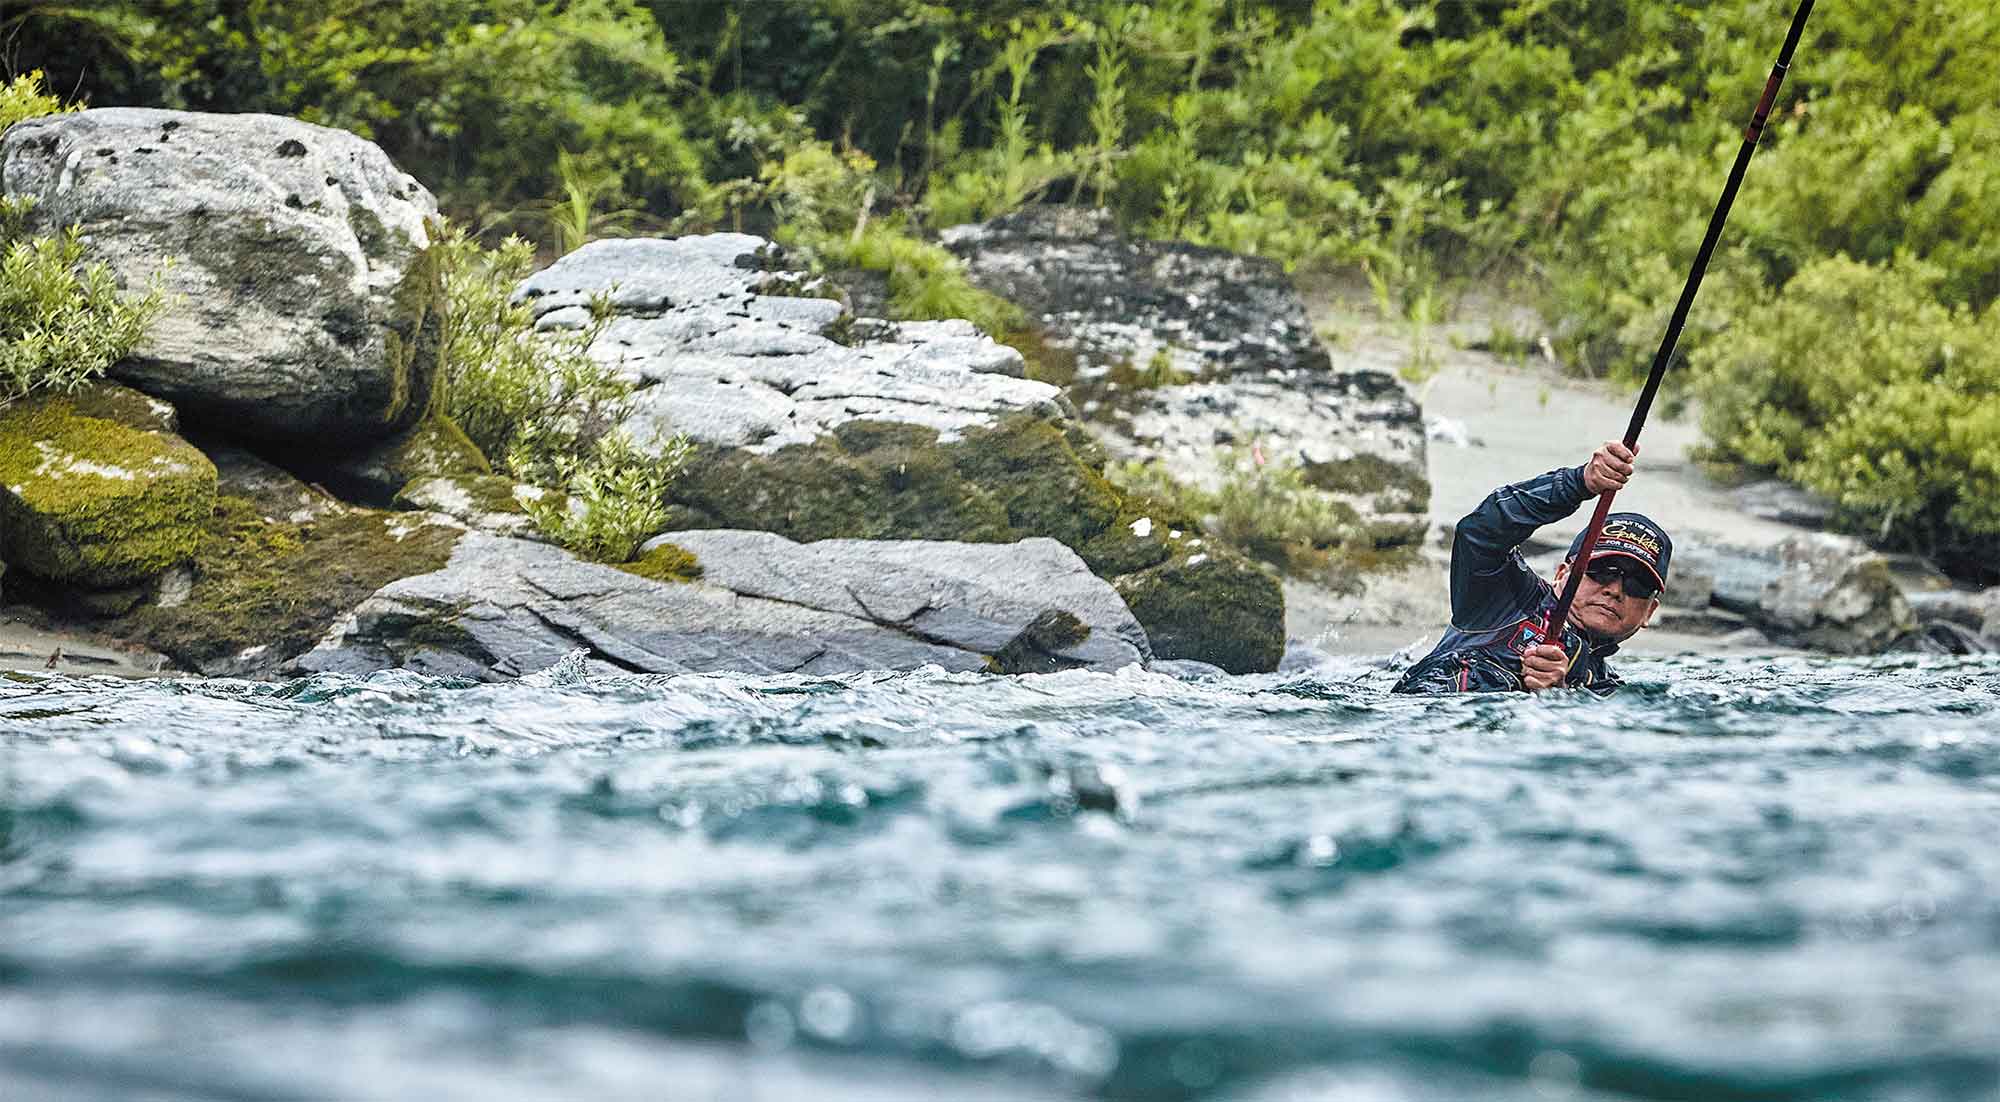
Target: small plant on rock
62	322
542	409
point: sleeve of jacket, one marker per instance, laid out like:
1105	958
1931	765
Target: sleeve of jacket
1491	585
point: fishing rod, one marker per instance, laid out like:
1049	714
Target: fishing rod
1552	627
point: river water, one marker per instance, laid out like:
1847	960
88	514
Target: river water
1738	879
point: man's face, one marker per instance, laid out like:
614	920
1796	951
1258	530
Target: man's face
1603	606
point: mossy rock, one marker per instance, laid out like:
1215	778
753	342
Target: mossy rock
1393	487
266	590
1210	606
665	562
108	401
93	503
1023	477
434	448
883	480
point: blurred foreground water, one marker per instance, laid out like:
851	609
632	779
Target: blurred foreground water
1738	879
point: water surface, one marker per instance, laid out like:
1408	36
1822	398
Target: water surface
1739	879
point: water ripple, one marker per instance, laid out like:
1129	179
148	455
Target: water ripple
1764	879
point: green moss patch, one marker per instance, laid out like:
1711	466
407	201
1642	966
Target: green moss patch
665	563
1211	607
1395	488
94	503
125	406
271	583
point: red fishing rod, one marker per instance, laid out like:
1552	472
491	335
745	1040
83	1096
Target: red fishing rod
1560	614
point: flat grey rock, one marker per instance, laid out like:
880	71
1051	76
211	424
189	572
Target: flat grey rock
502	608
978	597
282	246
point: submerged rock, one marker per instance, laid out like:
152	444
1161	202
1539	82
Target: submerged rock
1204	361
93	503
501	608
299	306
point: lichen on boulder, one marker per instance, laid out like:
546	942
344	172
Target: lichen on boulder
92	503
486	502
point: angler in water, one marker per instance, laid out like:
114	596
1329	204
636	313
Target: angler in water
1500	607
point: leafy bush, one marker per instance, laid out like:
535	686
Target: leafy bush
25	98
1859	383
1578	145
542	409
613	496
62	322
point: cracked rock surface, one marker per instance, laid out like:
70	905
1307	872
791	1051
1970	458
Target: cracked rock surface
1193	356
726	352
503	607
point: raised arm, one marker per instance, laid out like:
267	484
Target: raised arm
1489	580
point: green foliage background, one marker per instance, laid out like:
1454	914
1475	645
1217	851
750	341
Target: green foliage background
1845	340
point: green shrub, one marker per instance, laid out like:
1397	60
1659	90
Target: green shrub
25	98
542	409
610	498
61	323
926	282
1856	381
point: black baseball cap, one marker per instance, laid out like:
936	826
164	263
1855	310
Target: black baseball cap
1632	536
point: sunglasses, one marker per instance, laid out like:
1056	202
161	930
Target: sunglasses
1638	583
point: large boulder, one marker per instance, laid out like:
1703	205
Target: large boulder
1204	362
91	501
300	305
502	607
816	425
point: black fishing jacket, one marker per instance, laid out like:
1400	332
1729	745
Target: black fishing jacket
1498	604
